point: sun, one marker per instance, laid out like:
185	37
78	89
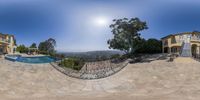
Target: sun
100	21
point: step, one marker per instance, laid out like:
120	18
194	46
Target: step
185	60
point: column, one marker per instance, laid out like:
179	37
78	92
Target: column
198	50
169	49
163	49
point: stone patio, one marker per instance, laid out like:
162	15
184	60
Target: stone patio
156	80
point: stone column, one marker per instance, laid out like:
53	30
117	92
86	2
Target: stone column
169	50
163	49
198	49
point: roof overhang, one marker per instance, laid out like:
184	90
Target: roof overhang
195	32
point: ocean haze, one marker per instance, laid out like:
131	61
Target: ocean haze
92	54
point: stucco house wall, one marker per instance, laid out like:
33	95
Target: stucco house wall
173	43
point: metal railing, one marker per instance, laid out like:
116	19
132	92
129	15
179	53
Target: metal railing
195	38
3	40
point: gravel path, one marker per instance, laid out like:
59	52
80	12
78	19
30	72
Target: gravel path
157	80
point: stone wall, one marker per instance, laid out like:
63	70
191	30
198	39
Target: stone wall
93	70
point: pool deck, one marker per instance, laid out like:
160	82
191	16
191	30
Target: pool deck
26	55
157	80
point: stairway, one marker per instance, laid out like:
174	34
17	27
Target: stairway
186	50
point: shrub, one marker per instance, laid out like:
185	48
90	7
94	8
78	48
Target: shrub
43	52
47	46
58	56
22	49
149	46
115	56
73	63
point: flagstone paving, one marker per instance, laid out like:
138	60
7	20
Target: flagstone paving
156	80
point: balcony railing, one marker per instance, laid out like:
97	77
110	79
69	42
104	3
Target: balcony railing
179	41
194	38
3	40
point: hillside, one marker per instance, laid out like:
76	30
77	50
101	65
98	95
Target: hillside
92	54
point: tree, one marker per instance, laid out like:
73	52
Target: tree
22	49
154	46
141	46
126	34
15	42
47	46
42	46
149	46
51	43
33	45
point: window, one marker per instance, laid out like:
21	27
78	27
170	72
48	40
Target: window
173	40
165	42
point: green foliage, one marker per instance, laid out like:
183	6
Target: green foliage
33	45
43	52
15	42
149	46
127	37
58	56
42	48
126	34
53	54
98	58
48	46
115	56
73	63
22	49
154	46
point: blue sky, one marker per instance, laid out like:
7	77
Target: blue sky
83	25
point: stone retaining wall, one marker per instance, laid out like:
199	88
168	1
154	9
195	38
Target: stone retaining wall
89	73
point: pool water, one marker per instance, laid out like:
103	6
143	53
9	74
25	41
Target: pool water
35	60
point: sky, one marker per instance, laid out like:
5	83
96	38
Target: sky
83	25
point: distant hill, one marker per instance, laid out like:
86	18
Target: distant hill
92	54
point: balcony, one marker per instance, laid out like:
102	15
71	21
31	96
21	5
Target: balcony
195	38
175	42
2	40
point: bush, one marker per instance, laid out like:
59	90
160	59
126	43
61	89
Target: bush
119	58
43	52
115	56
58	56
149	46
73	63
22	49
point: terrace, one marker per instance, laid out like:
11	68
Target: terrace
148	80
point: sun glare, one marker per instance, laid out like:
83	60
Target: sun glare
100	21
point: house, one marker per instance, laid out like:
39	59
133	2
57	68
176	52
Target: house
7	44
185	44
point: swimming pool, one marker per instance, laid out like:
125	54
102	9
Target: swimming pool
12	57
33	60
